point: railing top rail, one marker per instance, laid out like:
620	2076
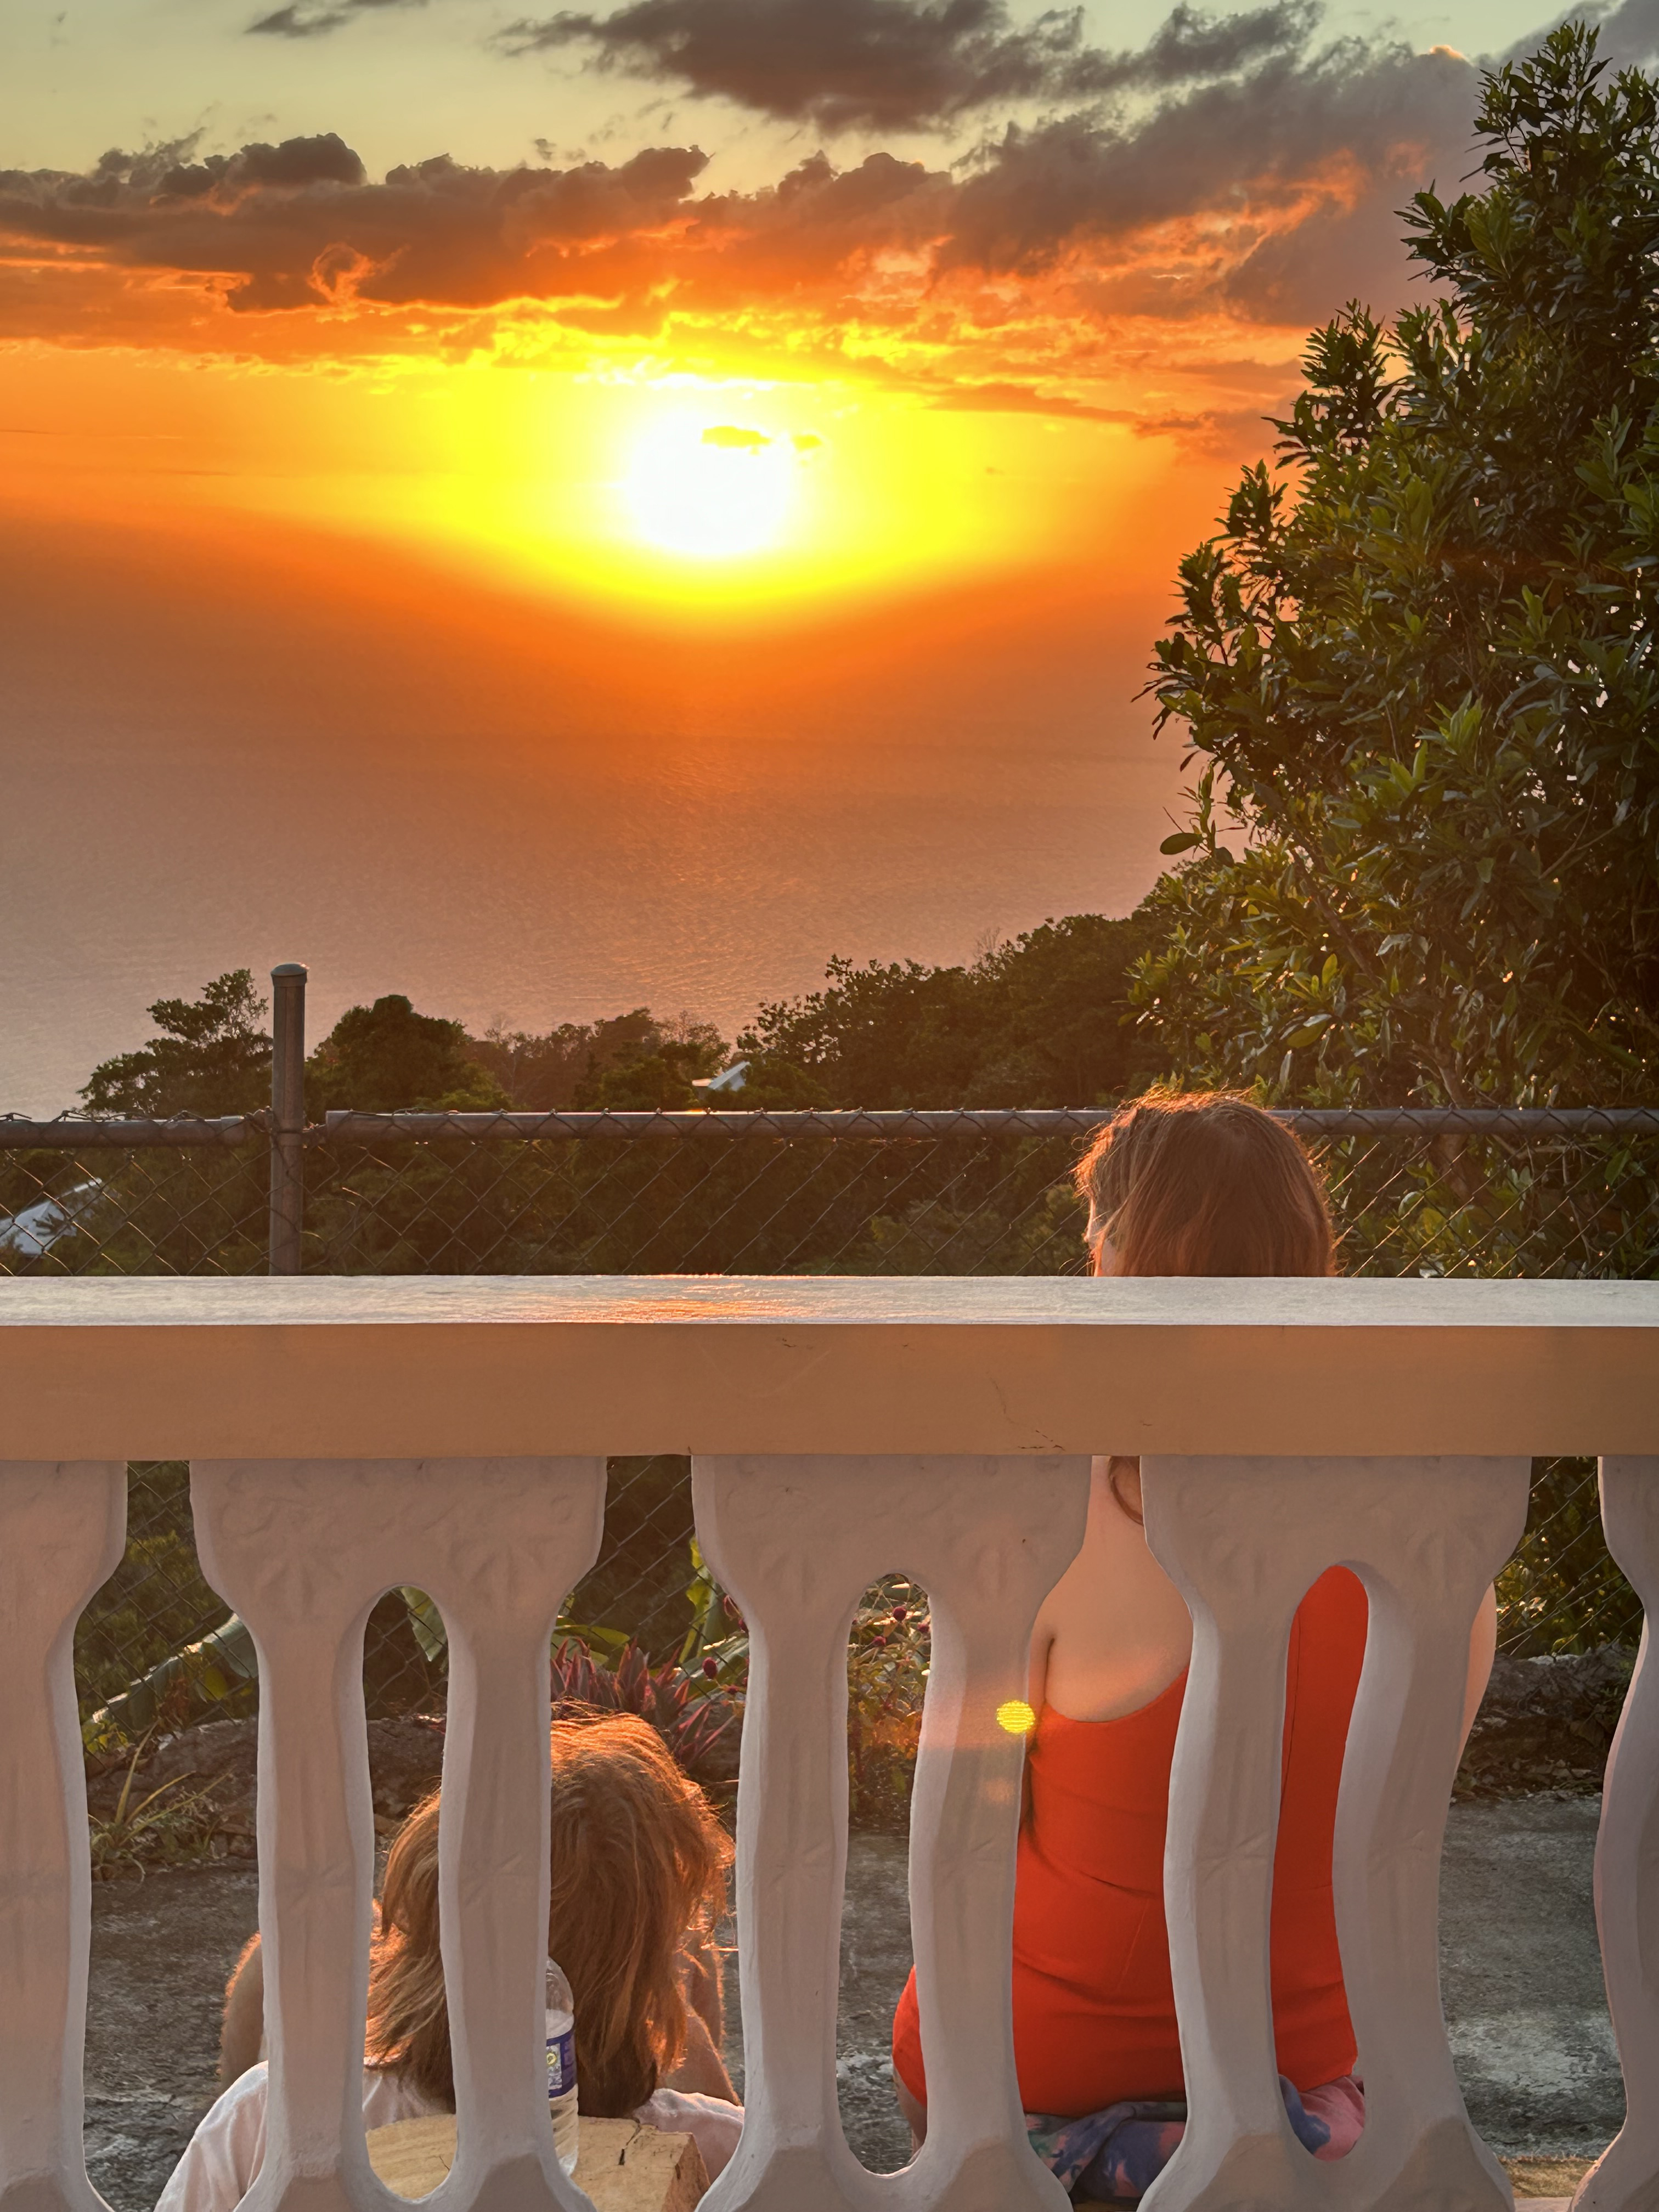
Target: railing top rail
90	1132
343	1126
79	1132
1096	1302
378	1367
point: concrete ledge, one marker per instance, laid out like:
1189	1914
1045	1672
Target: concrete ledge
379	1367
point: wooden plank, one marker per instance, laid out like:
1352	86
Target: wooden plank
623	2165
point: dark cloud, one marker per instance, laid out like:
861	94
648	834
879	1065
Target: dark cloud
902	64
299	225
1259	191
1299	137
1629	31
314	19
296	162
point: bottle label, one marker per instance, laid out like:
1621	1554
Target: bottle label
561	2064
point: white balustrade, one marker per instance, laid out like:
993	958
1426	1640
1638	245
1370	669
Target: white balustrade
301	1549
1627	2178
62	1529
349	1436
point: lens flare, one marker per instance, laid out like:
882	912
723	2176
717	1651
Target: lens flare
1017	1716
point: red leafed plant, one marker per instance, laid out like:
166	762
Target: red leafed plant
701	1733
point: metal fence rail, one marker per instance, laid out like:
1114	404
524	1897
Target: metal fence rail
1442	1191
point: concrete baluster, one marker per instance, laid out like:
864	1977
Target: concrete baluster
1244	1539
303	1549
1626	2178
1434	1534
797	1541
62	1530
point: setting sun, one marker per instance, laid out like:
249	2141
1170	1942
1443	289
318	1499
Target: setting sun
711	492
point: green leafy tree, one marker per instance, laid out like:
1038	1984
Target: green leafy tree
566	1068
212	1057
1418	665
1043	1020
658	1083
384	1058
653	1070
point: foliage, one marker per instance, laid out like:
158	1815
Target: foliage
158	1829
1423	690
1561	1591
155	1603
219	1674
385	1058
701	1731
887	1664
212	1057
583	1065
1487	1205
659	1082
675	1206
1040	1021
888	1655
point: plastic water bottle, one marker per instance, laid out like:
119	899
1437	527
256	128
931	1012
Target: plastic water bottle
562	2065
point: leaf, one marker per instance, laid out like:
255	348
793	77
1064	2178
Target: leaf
1182	842
426	1625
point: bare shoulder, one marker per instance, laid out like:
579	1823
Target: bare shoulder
1115	1631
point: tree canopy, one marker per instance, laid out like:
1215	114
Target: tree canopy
213	1056
384	1058
636	1060
1416	667
1042	1020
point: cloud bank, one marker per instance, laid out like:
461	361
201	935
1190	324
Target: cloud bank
901	65
1232	174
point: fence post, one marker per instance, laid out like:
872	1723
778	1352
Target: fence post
288	1115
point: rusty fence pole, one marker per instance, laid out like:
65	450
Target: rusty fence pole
288	1115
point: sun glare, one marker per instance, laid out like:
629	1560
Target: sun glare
711	491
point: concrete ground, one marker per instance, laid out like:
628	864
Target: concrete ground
1520	1972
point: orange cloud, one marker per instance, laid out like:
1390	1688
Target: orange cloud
1024	275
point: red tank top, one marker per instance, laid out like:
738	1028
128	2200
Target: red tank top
1094	2008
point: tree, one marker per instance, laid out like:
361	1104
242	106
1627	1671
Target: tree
654	1072
568	1067
212	1057
384	1058
1043	1020
1417	665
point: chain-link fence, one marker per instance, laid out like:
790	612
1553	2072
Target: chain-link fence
1442	1193
1438	1192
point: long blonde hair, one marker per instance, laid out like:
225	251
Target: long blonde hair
638	1872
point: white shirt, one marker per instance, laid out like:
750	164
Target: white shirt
223	2155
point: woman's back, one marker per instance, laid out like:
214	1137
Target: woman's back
1202	1185
1094	2008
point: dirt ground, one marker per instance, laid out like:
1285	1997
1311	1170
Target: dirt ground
1520	1972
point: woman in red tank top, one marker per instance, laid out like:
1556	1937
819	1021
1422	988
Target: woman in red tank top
1203	1185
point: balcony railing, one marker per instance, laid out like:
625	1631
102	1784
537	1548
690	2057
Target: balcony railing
350	1436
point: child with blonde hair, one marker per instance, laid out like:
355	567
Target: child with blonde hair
639	1864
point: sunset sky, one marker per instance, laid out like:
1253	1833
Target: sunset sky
447	392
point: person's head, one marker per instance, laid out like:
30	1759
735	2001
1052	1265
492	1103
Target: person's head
638	1867
1203	1183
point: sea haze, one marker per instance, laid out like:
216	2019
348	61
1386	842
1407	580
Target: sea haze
227	750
